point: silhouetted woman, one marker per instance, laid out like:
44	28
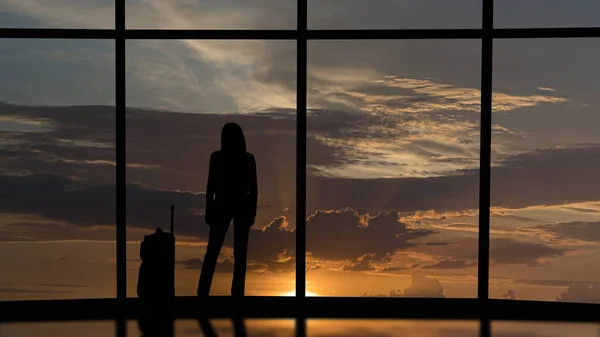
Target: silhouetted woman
231	194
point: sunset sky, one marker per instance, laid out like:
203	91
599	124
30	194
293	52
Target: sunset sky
393	149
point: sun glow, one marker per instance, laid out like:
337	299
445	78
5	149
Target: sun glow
293	293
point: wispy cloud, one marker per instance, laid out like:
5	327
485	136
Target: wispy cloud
426	95
423	128
64	13
211	76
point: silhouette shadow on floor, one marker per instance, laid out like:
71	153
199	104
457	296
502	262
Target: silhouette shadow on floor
239	327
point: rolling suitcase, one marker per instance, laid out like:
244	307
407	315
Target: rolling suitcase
156	280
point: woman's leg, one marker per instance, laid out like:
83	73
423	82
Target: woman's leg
239	327
241	233
215	243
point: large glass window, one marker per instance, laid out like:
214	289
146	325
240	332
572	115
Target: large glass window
57	178
393	159
180	93
545	204
413	148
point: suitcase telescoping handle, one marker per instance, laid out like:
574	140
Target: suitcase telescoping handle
172	216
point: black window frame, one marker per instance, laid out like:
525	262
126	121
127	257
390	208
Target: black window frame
482	308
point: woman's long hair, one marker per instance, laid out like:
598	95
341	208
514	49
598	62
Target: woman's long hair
232	139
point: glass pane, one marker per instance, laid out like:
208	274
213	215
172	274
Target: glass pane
391	328
394	14
58	329
96	14
545	149
546	13
544	329
57	179
226	328
179	96
393	156
208	14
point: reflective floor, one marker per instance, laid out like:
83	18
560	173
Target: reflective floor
315	328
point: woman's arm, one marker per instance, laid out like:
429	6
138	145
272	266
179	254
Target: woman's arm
210	190
253	184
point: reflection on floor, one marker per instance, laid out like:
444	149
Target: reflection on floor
315	328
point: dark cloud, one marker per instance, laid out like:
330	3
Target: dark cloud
85	212
193	263
510	295
180	144
342	235
586	231
345	234
392	293
170	151
78	141
399	268
421	286
164	150
452	264
582	292
274	239
167	155
337	235
363	264
547	283
55	198
463	252
538	177
531	254
51	196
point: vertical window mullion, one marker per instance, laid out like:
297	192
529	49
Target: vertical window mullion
301	73
485	152
120	149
